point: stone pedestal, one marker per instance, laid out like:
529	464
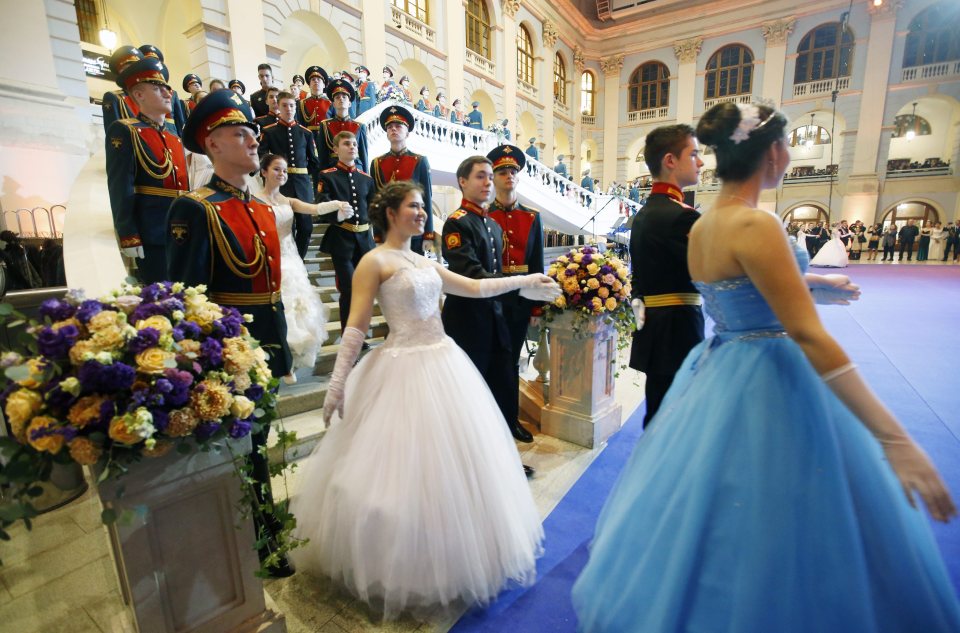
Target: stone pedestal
186	562
581	407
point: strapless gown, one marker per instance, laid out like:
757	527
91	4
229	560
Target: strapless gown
417	497
757	503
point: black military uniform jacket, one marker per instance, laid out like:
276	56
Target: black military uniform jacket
658	254
346	184
227	239
473	247
522	249
295	143
258	101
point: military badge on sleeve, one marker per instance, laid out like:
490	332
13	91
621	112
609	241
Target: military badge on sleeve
116	141
453	240
179	231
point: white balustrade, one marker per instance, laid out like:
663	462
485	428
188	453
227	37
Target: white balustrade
406	22
481	63
528	89
931	71
709	103
588	119
650	114
821	87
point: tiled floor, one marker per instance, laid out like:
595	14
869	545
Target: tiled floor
59	577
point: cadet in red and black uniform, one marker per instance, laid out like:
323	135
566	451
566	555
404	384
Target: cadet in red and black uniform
349	237
402	164
658	254
522	254
272	115
178	110
342	94
146	168
225	238
118	104
313	110
192	84
295	143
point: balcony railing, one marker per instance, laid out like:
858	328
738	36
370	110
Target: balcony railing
821	87
709	103
420	30
931	71
528	89
35	222
560	107
650	114
481	63
588	119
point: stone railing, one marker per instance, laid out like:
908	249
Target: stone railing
24	221
481	63
942	170
420	30
650	114
588	119
931	71
528	89
709	103
821	87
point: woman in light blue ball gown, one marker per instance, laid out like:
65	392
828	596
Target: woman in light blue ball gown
773	491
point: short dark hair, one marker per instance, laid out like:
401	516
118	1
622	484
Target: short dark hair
285	95
265	67
273	89
736	162
669	139
342	135
390	197
466	167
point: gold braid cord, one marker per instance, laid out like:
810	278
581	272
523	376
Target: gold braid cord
160	171
234	263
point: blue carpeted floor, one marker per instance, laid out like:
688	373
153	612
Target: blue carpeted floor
904	333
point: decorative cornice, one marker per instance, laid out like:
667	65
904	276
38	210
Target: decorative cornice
611	65
578	60
776	32
550	34
510	7
687	50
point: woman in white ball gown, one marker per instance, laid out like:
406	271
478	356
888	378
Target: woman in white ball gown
833	254
417	497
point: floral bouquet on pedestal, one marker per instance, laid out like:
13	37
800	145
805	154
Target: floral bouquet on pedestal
595	286
499	129
128	376
393	92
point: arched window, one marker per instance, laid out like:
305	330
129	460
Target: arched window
478	28
416	8
588	94
88	21
649	87
524	55
559	80
823	54
921	212
729	72
806	214
934	35
809	135
904	124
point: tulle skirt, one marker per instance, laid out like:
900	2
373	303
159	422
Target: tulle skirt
756	502
305	313
417	497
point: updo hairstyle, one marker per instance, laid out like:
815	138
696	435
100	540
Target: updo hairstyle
265	163
390	197
738	161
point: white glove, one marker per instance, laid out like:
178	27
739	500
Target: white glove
350	344
910	464
639	312
345	212
536	287
133	252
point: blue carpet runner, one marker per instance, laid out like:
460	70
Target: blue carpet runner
903	334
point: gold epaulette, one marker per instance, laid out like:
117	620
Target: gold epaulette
267	127
456	215
129	121
202	193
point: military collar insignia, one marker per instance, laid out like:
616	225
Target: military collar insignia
344	167
671	191
473	208
222	185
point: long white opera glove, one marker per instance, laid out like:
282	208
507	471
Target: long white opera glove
350	344
536	287
344	212
639	312
910	464
133	252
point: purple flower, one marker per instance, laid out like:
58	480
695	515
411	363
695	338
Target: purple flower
179	386
111	378
587	258
240	428
145	339
89	309
212	352
569	273
186	329
57	309
587	250
171	304
160	419
205	430
254	392
107	410
68	432
605	270
152	292
55	397
52	343
146	310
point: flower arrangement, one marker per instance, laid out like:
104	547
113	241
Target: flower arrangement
393	92
499	129
128	376
595	285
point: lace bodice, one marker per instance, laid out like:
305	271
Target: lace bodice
736	305
284	215
410	299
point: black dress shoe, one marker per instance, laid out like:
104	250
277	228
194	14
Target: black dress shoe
520	434
528	471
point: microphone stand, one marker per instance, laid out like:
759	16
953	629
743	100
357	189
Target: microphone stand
593	218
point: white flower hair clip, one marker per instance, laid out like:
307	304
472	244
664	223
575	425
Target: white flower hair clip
749	121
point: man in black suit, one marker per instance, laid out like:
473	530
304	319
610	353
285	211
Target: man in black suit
908	236
673	322
258	100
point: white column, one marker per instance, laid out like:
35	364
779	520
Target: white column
686	52
508	56
578	63
456	30
775	58
873	102
248	43
611	67
374	39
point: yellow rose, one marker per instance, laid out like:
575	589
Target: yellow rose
84	452
610	304
153	360
578	257
21	406
570	285
85	410
603	292
71	321
189	346
573	266
593	269
622	274
48	443
560	302
563	259
119	432
617	285
242	407
35	366
108	339
552	271
104	319
80	350
158	322
596	304
242	382
593	284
